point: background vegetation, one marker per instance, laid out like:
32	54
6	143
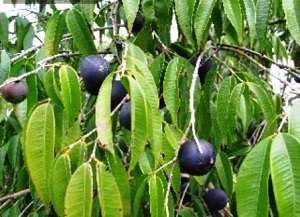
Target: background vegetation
63	151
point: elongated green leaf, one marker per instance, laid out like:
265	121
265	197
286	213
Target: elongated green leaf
294	119
38	148
173	135
80	32
121	178
156	192
71	95
4	31
51	81
202	17
262	15
108	192
156	67
170	87
234	102
235	15
4	66
225	172
222	106
184	12
76	154
131	7
250	15
103	118
138	192
61	174
292	13
54	32
252	186
285	172
139	122
79	194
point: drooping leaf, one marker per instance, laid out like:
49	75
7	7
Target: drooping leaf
292	13
138	192
262	17
4	31
285	173
222	106
121	179
5	66
77	154
252	185
79	194
60	176
201	20
70	92
131	8
225	172
51	82
107	186
184	12
80	32
170	86
250	16
38	148
139	125
156	67
294	119
103	118
54	32
234	13
156	192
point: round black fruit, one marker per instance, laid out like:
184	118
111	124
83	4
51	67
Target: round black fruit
15	92
125	115
193	162
215	199
137	23
118	92
94	69
204	67
297	79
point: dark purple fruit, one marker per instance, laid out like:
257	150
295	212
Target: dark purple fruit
15	92
94	69
297	79
125	116
193	162
204	67
137	23
215	199
118	92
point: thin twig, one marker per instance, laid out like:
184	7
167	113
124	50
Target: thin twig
15	195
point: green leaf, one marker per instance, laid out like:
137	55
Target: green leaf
234	102
14	151
234	13
131	8
4	31
138	192
119	173
202	17
250	15
156	192
184	12
3	152
54	32
70	91
222	106
170	86
32	98
262	17
4	66
103	110
38	148
61	174
292	13
156	67
80	32
294	119
224	170
252	185
77	154
108	192
285	173
79	194
139	121
51	81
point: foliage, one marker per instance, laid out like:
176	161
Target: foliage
64	152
